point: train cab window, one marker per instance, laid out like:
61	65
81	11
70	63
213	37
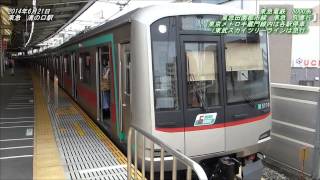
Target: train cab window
246	68
163	34
202	74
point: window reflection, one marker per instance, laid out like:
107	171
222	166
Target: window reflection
202	74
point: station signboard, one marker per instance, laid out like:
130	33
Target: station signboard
305	49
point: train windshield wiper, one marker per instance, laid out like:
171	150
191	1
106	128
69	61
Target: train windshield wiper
200	98
244	95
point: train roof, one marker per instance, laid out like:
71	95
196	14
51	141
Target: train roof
150	14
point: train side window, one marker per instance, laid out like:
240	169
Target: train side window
85	60
67	60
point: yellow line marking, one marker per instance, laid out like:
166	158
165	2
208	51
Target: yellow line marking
46	159
79	130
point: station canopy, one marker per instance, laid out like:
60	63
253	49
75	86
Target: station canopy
70	17
63	10
99	13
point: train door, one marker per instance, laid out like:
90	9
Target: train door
124	84
105	85
203	108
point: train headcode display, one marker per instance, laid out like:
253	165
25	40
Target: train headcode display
272	20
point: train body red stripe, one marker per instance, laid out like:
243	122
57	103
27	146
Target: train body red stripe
214	126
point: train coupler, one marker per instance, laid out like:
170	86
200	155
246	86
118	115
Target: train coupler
253	166
226	169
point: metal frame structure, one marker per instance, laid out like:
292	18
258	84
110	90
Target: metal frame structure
191	165
295	133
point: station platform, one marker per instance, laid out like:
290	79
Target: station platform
42	140
16	125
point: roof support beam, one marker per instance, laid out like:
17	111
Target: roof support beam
67	8
60	2
3	26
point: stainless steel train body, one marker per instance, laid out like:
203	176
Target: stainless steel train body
205	94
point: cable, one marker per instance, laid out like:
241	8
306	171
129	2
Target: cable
32	24
122	6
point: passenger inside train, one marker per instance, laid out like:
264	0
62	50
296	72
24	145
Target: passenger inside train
105	88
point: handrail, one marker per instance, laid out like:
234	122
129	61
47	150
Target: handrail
191	165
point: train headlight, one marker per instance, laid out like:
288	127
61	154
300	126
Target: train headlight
162	28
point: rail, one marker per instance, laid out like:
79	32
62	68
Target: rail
191	165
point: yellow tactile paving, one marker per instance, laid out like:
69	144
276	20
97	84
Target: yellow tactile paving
79	130
47	163
46	160
69	110
122	159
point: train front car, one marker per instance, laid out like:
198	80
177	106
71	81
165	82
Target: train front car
205	94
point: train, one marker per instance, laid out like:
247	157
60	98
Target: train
162	69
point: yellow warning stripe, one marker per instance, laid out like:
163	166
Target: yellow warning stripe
46	160
121	158
79	130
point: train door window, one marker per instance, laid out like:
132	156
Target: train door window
69	64
202	74
80	68
105	81
57	65
52	64
128	66
65	64
124	85
125	58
